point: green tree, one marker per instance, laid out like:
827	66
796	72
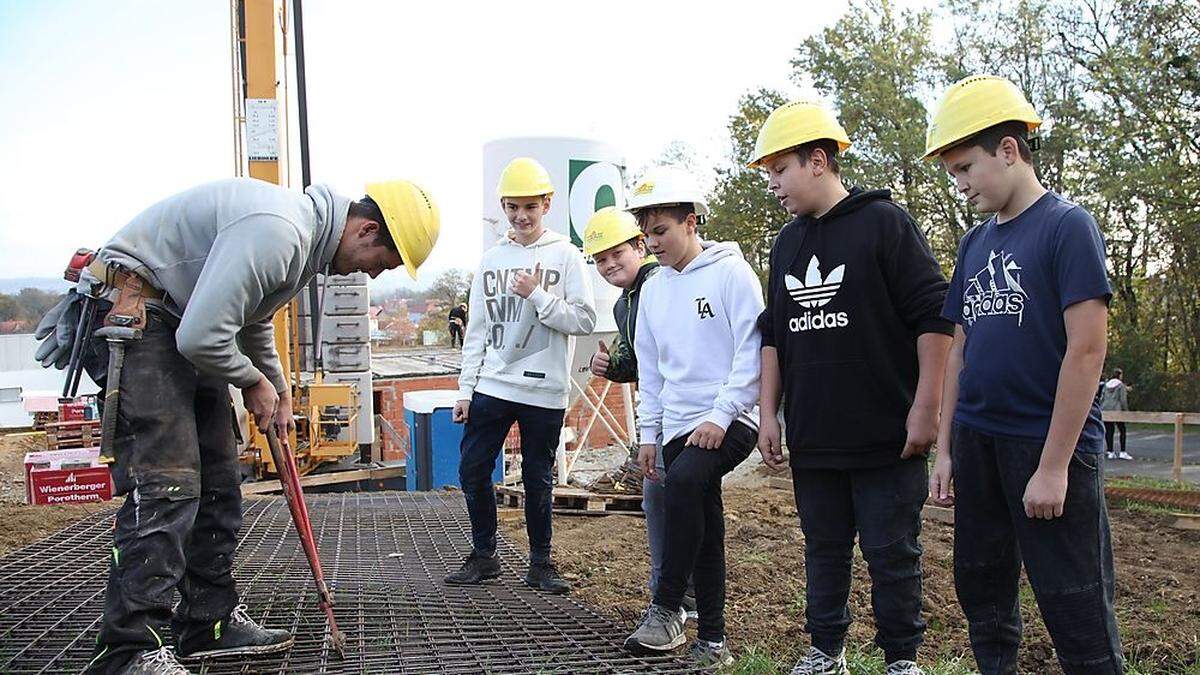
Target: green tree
879	66
743	210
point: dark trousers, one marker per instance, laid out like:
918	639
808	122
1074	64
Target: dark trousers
1068	559
695	530
177	465
883	506
1109	428
488	423
456	335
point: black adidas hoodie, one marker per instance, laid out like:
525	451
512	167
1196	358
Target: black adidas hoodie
847	296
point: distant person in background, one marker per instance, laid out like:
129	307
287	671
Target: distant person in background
458	324
1114	395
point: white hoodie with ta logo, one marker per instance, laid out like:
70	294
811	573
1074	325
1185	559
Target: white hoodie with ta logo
698	344
520	349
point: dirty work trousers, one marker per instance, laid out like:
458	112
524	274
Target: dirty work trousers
488	422
695	527
1068	559
882	506
177	466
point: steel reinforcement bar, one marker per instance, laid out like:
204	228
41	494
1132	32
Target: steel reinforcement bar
384	555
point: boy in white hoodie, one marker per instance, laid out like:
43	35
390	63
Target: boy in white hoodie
529	295
697	349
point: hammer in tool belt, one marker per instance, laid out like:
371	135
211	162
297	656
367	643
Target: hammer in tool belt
123	324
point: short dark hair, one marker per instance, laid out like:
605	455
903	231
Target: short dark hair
677	212
830	146
990	138
367	209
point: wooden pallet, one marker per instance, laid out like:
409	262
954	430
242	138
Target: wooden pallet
42	419
73	434
574	500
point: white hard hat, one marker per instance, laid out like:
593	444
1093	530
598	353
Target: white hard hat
664	186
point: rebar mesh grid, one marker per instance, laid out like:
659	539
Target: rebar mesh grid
384	555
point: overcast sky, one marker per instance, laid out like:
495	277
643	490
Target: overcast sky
106	107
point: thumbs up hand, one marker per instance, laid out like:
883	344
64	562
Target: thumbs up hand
523	282
600	361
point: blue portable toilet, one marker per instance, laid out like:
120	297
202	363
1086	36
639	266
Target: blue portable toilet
434	441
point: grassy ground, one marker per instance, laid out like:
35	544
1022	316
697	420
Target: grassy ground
1151	482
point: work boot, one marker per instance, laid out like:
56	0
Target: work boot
236	636
661	631
476	569
904	668
818	662
711	654
544	577
154	662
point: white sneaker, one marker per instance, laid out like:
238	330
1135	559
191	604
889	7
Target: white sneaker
1124	455
1112	455
818	662
904	668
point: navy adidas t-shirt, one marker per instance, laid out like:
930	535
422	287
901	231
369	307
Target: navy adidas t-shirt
1011	283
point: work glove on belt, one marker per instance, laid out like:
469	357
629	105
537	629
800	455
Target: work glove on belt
57	331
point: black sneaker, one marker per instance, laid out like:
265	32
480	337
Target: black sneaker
475	569
544	577
238	635
154	662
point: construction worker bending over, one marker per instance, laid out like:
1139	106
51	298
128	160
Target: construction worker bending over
697	349
530	294
200	275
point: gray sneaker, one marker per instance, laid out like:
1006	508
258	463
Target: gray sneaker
710	654
661	631
818	662
904	668
155	662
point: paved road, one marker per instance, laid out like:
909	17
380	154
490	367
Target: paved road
1154	452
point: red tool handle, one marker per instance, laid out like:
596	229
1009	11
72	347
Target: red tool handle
289	478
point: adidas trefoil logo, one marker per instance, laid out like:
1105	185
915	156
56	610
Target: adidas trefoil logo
816	292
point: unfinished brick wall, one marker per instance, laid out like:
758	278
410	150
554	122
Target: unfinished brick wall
390	404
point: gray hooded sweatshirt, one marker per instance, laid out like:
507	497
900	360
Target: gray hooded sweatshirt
228	254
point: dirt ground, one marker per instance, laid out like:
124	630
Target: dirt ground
1158	576
1158	582
20	523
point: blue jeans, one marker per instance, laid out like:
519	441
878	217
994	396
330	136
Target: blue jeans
1068	559
882	506
654	506
488	422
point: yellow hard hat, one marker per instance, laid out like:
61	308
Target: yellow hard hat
797	123
973	104
412	218
607	228
524	177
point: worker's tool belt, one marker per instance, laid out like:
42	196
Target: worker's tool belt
132	292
